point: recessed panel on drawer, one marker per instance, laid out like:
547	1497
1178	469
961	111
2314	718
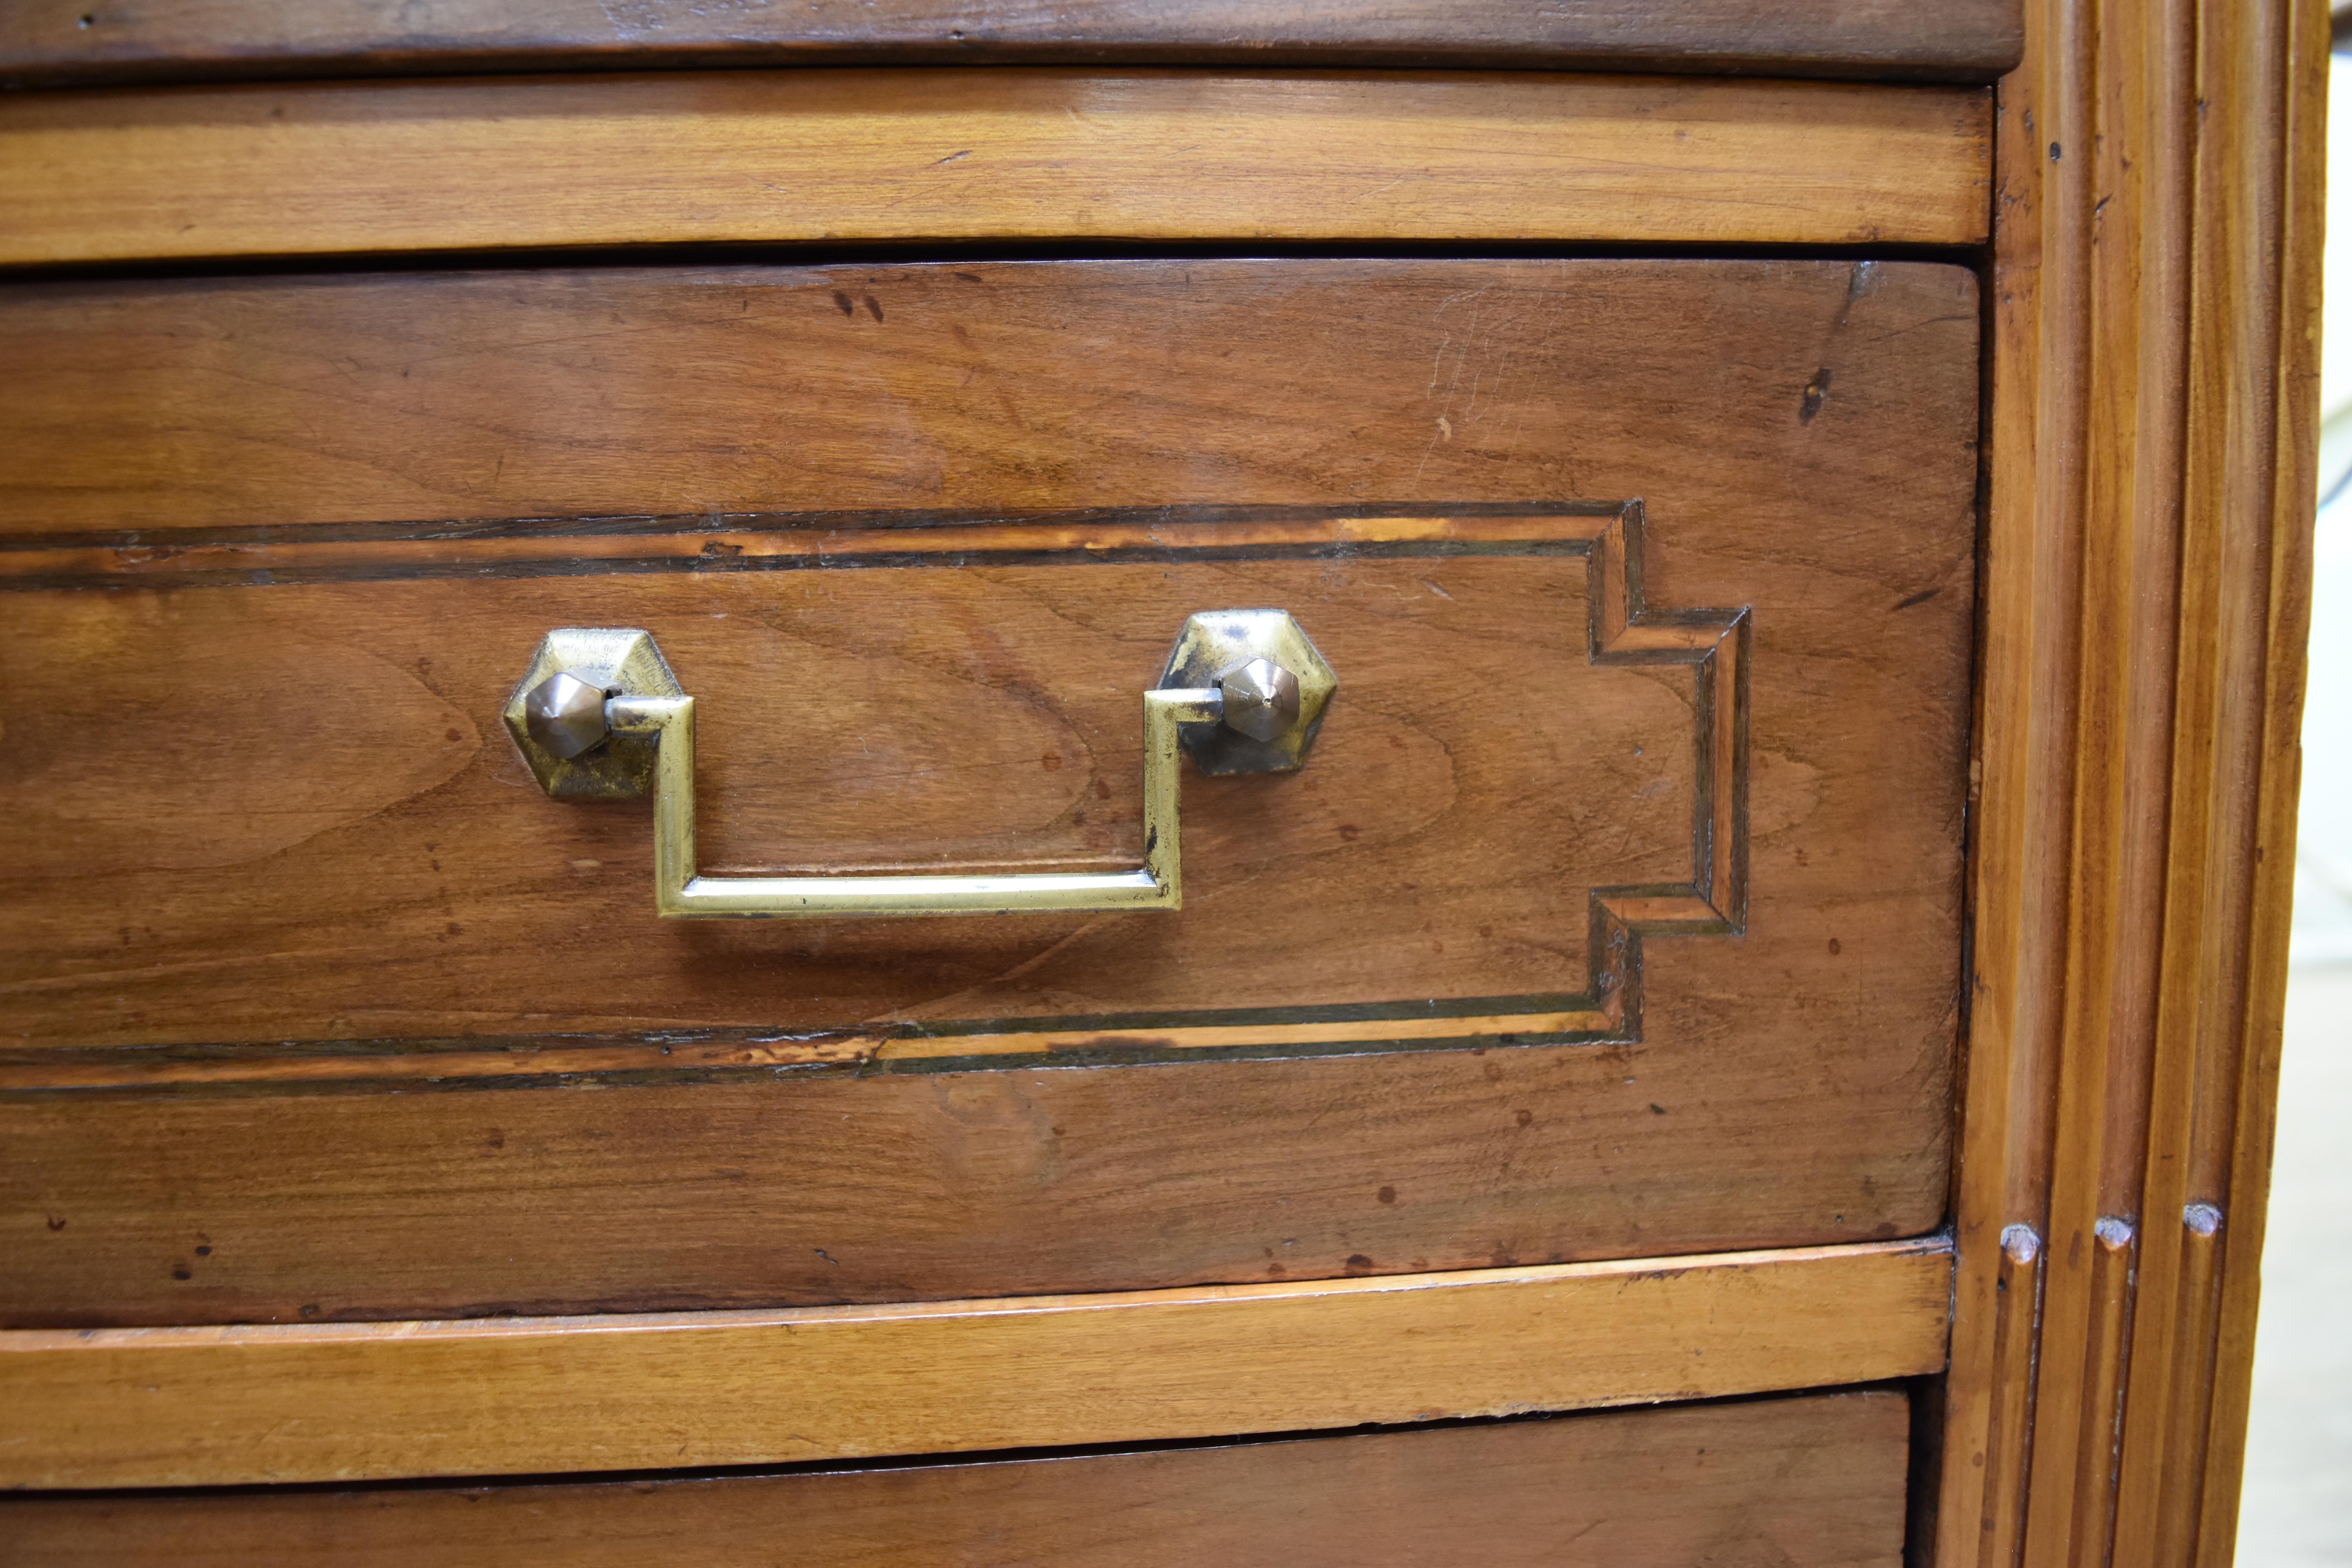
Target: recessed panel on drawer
1614	909
1817	1481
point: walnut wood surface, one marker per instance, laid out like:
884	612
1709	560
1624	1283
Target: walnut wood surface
281	875
345	879
346	1402
1813	1480
2147	580
143	412
48	42
853	156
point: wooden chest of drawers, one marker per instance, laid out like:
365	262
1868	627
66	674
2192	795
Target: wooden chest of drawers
1710	833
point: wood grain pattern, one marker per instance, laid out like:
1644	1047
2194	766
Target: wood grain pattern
320	911
2148	581
311	1403
971	390
352	1204
894	719
153	414
862	155
49	42
1816	1480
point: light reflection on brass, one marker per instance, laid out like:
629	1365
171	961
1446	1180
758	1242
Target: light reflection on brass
1276	718
650	722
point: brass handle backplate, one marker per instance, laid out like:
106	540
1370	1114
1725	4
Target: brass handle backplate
598	715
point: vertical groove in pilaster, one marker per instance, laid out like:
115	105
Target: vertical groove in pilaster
2153	419
2026	766
2009	1444
2115	1247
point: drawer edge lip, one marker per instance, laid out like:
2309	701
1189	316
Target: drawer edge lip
301	1403
947	156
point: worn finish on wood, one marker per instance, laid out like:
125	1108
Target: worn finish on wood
929	721
306	1403
1013	153
359	1205
49	42
2154	364
1815	1480
143	412
277	898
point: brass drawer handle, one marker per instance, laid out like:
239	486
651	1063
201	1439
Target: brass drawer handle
600	716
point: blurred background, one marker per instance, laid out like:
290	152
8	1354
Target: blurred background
2297	1508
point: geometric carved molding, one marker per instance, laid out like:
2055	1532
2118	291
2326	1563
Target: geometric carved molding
1714	642
1624	630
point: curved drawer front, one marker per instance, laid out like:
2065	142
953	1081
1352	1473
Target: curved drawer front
1615	913
1817	1481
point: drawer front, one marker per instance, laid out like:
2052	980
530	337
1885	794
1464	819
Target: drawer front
1817	1481
213	40
1615	910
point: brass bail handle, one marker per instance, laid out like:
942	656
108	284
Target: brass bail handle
599	716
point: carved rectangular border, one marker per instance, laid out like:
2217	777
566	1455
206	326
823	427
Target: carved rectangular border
1623	629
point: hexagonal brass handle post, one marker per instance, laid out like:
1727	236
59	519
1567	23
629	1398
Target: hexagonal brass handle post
600	716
